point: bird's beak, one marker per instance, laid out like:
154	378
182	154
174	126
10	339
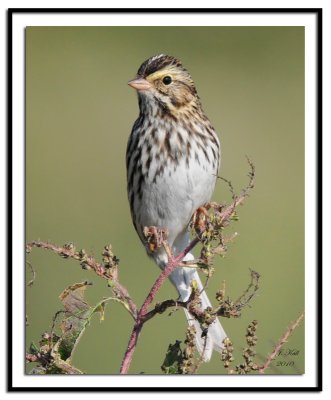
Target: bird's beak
139	84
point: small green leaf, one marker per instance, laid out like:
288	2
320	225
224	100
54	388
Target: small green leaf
173	359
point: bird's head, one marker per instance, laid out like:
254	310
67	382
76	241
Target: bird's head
163	82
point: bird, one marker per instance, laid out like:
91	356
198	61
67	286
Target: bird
172	159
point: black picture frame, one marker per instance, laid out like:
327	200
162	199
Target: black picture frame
319	14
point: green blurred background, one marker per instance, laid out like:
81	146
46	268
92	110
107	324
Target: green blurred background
79	113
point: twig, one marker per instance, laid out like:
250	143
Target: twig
250	292
31	281
163	306
200	359
231	188
88	262
280	344
237	200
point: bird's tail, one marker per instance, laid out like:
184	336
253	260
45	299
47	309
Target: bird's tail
181	278
206	342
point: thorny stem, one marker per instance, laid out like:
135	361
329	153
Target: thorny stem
171	265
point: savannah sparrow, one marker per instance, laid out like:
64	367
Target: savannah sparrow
172	159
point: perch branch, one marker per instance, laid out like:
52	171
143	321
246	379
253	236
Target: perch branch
141	318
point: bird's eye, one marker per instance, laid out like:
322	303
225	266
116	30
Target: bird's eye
167	80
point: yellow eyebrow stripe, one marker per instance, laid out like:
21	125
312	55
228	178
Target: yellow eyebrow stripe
166	71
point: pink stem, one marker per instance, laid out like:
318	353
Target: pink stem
172	264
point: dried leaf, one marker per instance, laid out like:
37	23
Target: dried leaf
78	314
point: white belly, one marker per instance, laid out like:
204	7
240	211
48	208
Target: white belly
170	201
